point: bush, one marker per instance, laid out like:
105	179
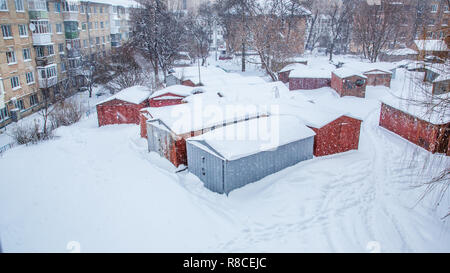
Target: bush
33	134
66	113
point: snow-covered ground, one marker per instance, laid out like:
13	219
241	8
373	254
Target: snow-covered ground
100	188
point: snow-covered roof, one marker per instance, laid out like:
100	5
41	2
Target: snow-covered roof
415	99
250	137
310	72
180	90
311	114
293	66
347	72
188	117
124	3
135	94
400	52
431	45
377	71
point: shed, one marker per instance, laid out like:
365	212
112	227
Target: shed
436	48
123	107
400	54
348	82
336	132
378	77
171	95
229	157
309	78
441	85
416	124
170	126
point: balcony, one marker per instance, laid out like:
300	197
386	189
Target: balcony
42	38
75	71
49	82
72	35
115	43
70	16
46	60
115	30
73	53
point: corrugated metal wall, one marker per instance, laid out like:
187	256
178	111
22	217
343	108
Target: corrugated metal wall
207	167
243	171
214	171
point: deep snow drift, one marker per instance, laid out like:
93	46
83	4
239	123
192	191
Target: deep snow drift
99	187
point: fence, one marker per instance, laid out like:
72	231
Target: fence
6	147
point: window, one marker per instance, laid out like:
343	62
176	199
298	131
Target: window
434	8
85	43
61	48
4	113
19	5
90	25
103	39
23	30
4	5
41	26
20	105
34	100
11	57
101	9
39	51
51	50
26	54
95	9
81	8
102	25
63	67
15	83
48	72
6	31
57	7
58	28
83	26
30	77
96	25
97	40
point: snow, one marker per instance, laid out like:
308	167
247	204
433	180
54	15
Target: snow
347	72
376	72
180	90
101	188
135	95
293	66
431	45
401	52
311	73
198	115
250	137
124	3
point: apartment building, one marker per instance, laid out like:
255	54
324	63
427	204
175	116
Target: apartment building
95	32
44	43
437	24
18	86
120	25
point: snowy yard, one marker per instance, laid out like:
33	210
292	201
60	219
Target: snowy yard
101	188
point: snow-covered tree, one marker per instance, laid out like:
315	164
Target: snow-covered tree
157	33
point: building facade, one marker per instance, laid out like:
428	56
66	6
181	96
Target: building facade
43	47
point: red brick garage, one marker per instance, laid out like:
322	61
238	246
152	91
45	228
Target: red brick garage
123	107
338	136
378	77
171	95
347	82
432	136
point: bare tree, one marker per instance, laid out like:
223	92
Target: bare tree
235	16
198	38
341	18
375	26
157	33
